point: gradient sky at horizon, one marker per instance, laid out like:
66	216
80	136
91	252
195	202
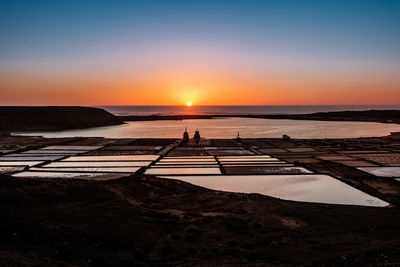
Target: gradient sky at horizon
208	52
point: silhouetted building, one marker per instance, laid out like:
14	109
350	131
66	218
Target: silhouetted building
186	135
196	135
238	137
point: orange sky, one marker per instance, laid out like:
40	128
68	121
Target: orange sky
206	88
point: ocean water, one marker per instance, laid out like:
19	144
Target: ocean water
230	110
229	128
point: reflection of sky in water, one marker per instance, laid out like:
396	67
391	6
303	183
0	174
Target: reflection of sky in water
20	163
30	158
188	171
309	188
90	169
187	160
382	171
229	127
113	158
86	175
98	164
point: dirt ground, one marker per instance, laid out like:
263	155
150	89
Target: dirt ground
145	221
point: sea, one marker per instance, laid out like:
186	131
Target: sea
234	110
230	127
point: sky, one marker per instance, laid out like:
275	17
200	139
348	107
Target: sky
115	52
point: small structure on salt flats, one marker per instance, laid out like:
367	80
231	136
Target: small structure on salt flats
196	136
186	135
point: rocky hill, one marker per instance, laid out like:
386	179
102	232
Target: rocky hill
54	118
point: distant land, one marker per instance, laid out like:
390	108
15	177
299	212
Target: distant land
383	116
53	118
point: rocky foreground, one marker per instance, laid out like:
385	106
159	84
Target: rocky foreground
143	221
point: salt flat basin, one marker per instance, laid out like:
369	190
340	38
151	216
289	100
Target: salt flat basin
114	158
382	171
53	151
245	157
71	147
309	188
187	159
30	158
185	165
182	171
254	163
190	157
70	175
88	169
83	164
20	163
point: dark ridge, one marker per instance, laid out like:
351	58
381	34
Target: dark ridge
383	116
54	118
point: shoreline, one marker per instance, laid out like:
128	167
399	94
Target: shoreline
381	116
15	119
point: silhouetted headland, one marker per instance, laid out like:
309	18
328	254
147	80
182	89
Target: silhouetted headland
54	118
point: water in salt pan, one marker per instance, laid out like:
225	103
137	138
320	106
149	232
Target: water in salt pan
382	171
187	159
246	163
113	158
52	151
72	147
182	171
20	163
89	169
30	158
248	160
308	188
245	157
190	157
71	164
186	163
186	166
266	170
252	164
70	175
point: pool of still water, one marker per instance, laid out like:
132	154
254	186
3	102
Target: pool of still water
309	188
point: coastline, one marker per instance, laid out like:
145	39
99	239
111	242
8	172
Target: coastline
56	118
381	116
53	118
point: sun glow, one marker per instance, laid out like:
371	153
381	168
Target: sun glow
189	104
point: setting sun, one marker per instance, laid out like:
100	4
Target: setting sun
189	104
